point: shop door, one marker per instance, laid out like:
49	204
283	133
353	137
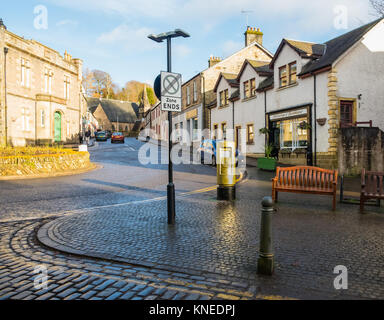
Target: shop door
57	127
237	137
274	139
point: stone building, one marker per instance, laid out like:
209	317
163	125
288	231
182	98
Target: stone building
41	100
115	115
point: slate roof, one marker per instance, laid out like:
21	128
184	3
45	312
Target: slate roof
235	95
122	111
307	49
261	67
264	70
230	77
338	46
266	83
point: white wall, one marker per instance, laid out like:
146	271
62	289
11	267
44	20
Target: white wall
222	114
361	71
301	93
251	111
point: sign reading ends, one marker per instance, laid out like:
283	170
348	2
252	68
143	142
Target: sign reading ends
170	91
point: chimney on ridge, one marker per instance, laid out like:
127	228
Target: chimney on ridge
253	35
213	60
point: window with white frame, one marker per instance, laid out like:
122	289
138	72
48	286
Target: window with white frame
48	81
194	91
293	134
25	116
25	73
42	118
188	96
67	83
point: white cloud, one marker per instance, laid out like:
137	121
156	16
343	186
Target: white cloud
67	23
316	15
182	51
129	38
230	47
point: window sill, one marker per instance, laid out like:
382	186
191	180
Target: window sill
250	143
222	107
288	86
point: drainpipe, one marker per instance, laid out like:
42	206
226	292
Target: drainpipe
233	115
315	116
265	115
35	121
204	120
5	97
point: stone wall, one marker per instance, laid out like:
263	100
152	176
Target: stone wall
360	148
44	164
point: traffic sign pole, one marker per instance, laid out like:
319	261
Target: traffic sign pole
171	104
171	187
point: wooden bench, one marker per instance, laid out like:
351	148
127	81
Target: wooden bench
305	179
371	187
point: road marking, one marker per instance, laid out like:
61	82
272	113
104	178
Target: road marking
83	210
59	214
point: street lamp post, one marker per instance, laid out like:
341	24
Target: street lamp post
171	187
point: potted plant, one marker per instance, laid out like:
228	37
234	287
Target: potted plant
267	163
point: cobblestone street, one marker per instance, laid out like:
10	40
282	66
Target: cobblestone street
126	250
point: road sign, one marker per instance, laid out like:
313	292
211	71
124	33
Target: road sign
157	87
171	91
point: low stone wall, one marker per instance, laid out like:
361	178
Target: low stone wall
360	148
44	164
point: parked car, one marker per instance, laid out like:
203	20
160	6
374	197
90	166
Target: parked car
101	136
117	137
108	133
207	150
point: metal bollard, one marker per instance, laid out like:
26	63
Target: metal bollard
265	264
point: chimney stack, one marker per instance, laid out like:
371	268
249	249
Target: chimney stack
213	60
2	25
253	35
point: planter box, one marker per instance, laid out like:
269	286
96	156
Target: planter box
266	164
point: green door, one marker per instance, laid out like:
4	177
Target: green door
57	126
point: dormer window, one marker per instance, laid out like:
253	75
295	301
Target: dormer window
288	74
249	88
283	76
253	87
246	89
224	98
292	72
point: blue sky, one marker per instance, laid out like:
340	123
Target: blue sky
111	35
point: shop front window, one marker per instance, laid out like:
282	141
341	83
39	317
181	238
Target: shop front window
195	126
293	134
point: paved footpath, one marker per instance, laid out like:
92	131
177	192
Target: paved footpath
129	252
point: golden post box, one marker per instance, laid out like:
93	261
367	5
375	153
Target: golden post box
226	170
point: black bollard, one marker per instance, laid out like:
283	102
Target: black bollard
265	264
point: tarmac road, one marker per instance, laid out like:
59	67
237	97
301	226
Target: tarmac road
121	179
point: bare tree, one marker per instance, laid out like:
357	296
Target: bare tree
88	82
99	82
378	6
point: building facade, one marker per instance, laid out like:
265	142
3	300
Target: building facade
198	92
306	94
41	100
